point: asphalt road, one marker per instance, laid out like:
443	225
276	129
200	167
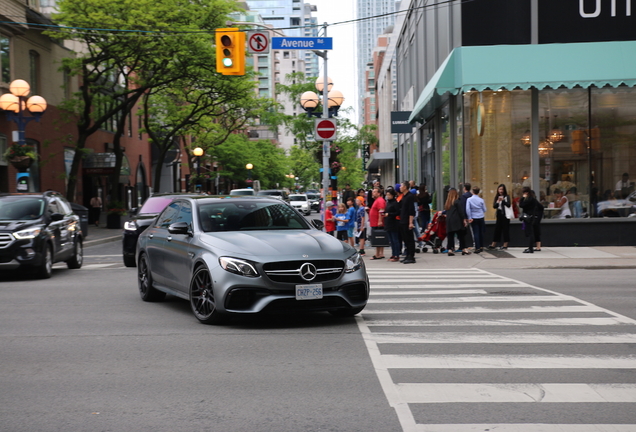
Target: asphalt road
443	350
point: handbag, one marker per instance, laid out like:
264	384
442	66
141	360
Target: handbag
379	237
525	217
509	212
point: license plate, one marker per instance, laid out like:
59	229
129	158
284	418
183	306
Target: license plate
308	292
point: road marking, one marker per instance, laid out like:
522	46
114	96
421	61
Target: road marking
530	298
503	338
611	321
475	310
376	287
516	393
429	292
525	427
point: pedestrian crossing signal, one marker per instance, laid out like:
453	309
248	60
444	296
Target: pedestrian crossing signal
230	51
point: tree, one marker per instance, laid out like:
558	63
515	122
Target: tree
159	42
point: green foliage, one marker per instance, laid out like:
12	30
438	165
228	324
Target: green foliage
17	150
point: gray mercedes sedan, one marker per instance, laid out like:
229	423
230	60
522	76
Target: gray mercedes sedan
245	255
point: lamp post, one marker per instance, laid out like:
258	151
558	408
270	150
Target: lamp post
16	104
249	168
198	152
331	101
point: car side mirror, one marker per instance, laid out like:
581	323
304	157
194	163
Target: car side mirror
318	224
57	217
179	228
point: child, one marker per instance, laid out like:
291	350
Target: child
330	220
341	223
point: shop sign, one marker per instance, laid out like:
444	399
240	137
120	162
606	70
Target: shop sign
400	122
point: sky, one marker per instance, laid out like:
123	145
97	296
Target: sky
341	66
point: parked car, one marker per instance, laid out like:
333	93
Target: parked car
139	221
247	255
246	191
314	201
275	193
38	230
301	203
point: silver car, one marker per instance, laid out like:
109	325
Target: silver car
247	255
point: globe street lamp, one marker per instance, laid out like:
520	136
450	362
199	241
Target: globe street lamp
249	167
198	152
16	104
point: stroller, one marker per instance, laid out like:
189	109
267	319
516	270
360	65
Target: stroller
435	233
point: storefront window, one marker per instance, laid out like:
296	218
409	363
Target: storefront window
445	148
498	153
563	160
459	154
612	151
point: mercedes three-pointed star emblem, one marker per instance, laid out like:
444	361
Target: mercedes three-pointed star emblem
308	271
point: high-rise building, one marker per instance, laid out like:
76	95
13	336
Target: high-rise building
368	30
311	30
281	14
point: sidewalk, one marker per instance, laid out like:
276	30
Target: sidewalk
101	234
600	257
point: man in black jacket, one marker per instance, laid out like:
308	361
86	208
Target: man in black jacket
465	237
407	223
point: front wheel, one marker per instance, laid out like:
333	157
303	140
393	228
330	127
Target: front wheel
345	313
202	300
147	292
78	256
45	270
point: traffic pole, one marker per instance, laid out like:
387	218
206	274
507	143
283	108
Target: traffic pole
326	145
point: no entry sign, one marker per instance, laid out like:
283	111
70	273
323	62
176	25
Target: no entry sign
258	42
325	129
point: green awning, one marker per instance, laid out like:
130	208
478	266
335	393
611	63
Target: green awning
524	66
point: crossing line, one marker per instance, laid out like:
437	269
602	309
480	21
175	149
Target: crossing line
504	338
610	321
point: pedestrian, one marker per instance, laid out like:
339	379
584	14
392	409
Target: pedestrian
361	226
348	193
351	217
466	240
476	213
536	226
424	208
330	220
392	225
528	204
96	209
341	223
455	220
503	206
407	218
376	221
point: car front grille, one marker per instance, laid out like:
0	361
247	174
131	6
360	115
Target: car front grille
289	271
5	240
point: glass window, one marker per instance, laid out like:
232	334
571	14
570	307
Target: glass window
244	216
185	213
5	59
3	148
34	72
154	205
168	216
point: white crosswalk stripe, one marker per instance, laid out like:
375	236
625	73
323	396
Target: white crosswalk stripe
470	323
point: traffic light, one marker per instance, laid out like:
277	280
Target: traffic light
230	51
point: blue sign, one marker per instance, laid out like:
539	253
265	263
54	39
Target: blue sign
302	43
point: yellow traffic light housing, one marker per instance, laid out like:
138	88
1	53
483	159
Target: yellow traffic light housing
230	51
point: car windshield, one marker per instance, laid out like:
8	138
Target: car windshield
21	208
297	198
242	192
247	216
155	205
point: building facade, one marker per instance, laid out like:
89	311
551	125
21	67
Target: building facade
543	99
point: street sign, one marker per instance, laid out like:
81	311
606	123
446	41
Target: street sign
325	129
302	43
258	42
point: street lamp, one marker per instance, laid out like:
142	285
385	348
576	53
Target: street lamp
198	152
249	167
16	104
331	101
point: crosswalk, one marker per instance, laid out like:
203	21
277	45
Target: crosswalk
459	350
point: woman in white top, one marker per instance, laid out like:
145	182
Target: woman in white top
562	203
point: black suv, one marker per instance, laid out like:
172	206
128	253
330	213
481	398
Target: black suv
37	230
140	221
275	193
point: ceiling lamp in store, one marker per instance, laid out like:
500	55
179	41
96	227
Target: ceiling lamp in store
545	148
526	140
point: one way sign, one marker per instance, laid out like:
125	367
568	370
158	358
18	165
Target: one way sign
258	42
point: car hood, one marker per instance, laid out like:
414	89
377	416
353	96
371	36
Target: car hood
293	244
16	225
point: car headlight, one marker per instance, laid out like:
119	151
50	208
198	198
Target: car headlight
354	262
238	266
130	225
27	233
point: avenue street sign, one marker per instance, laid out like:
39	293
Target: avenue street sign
258	42
325	129
302	43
